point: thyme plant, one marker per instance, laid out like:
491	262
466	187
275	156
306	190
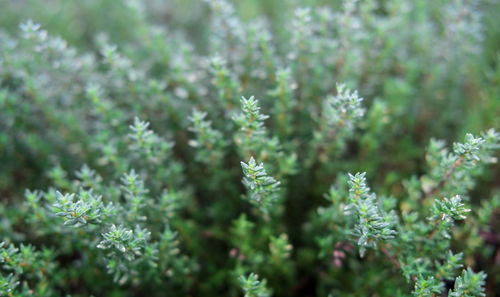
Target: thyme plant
249	148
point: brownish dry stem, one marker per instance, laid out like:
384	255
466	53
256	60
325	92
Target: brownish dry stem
393	259
445	179
389	256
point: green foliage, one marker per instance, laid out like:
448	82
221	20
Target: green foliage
124	124
372	225
469	284
26	264
342	110
251	122
86	210
262	189
253	287
209	142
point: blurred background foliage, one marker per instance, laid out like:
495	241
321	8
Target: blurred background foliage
468	101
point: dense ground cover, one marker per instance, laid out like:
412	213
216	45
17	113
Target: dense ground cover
284	148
